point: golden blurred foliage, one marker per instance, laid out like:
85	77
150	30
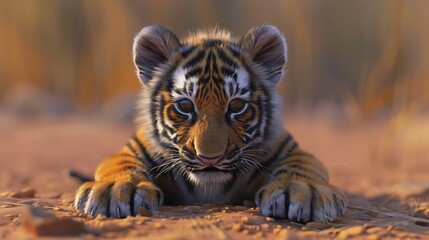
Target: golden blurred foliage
367	56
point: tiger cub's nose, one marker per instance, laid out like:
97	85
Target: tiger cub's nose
210	160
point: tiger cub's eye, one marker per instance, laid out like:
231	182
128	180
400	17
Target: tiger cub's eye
186	105
235	105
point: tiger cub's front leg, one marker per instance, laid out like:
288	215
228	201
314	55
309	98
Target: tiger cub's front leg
122	186
299	190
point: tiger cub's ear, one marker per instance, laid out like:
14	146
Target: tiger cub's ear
152	48
267	48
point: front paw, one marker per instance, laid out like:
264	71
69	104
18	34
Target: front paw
301	200
117	199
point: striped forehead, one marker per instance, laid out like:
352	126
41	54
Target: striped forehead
234	85
210	68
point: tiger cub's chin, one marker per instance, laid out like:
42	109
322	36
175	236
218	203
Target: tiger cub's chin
209	177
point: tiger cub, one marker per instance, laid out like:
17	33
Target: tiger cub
210	130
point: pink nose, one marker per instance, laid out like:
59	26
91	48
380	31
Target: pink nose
210	161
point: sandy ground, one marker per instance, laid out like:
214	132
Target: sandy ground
384	170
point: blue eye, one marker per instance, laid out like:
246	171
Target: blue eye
185	105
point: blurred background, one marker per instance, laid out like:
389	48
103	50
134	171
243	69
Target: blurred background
365	57
363	64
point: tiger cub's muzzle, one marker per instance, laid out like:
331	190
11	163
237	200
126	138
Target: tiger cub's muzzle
211	140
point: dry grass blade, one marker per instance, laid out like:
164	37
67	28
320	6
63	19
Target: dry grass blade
392	214
12	203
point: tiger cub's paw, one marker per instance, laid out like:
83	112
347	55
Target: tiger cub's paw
117	199
301	200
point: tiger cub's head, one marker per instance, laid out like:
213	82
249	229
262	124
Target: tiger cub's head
208	101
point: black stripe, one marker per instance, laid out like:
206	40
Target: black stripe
244	90
145	174
259	197
227	71
300	168
287	201
163	122
132	149
295	173
273	206
79	176
179	91
185	51
191	88
278	151
83	199
193	72
233	49
197	58
222	55
108	189
260	116
315	198
187	152
159	196
131	202
208	43
268	113
294	146
233	153
144	152
337	203
165	82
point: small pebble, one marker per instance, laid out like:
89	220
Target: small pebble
140	222
317	225
236	227
158	225
244	220
41	223
239	208
192	209
269	219
25	193
100	217
350	232
5	194
249	204
265	226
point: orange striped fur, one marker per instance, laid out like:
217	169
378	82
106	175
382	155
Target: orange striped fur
210	130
